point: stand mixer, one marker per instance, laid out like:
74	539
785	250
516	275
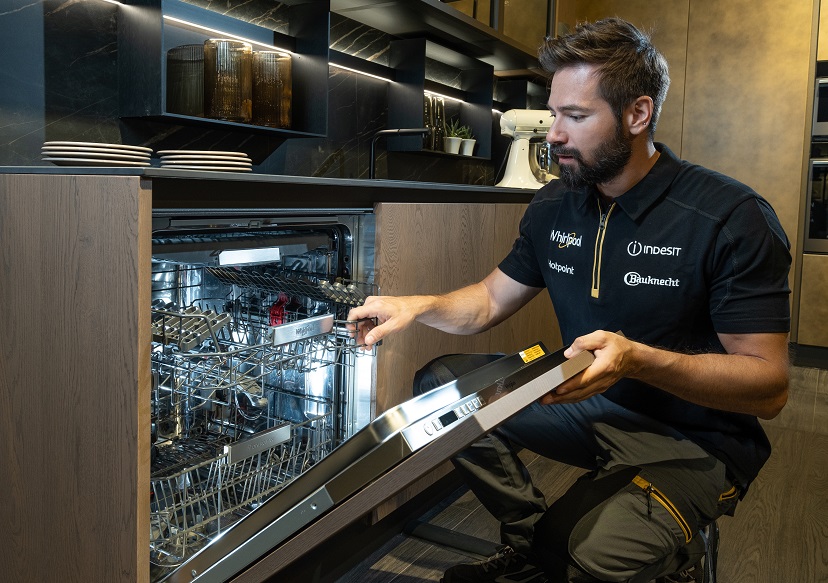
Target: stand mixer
527	128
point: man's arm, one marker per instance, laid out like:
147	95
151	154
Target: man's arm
751	378
468	310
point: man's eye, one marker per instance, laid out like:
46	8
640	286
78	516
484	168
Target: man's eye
576	117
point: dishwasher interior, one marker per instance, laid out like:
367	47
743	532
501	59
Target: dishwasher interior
255	376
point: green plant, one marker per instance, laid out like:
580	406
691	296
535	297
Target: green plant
466	133
453	128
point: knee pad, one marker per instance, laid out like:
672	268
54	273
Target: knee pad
553	540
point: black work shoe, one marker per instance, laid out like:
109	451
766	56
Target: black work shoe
506	566
705	570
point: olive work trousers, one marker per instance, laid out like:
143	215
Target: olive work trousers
633	516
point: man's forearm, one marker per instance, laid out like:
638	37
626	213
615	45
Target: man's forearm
732	382
463	311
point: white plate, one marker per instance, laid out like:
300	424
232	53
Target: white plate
204	163
91	162
173	157
211	168
99	145
90	153
205	152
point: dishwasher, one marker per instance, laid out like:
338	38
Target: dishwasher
264	441
255	377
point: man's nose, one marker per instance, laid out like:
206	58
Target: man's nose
554	135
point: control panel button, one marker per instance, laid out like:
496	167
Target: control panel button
460	412
437	425
429	429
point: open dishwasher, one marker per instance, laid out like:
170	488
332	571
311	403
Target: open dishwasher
255	377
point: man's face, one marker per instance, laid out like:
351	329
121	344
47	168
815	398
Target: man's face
588	140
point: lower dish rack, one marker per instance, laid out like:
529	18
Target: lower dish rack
248	393
204	485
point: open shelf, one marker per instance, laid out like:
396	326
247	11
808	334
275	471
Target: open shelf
147	29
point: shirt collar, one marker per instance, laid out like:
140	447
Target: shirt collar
648	190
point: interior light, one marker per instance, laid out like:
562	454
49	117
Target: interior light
226	34
443	96
359	72
113	2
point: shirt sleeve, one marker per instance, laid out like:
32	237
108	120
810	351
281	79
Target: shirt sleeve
521	264
749	272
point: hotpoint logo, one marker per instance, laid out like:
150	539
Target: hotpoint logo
565	239
633	279
636	248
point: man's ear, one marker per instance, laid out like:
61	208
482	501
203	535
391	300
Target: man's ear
639	114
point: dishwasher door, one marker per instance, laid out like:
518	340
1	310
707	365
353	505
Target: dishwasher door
255	375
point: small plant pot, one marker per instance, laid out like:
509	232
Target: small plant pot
452	145
467	147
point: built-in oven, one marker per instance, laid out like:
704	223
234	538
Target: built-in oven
816	219
820	122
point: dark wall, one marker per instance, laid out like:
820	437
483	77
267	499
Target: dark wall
60	82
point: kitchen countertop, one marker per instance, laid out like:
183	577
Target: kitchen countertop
173	188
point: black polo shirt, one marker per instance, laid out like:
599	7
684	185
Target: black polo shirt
683	255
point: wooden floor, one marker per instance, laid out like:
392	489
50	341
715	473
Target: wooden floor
779	533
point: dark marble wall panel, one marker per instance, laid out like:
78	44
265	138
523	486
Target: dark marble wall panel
81	71
442	73
21	82
269	14
353	38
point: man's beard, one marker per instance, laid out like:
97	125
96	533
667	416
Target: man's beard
610	158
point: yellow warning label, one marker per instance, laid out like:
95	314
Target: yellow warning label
532	353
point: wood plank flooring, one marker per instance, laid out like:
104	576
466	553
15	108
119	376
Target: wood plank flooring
778	535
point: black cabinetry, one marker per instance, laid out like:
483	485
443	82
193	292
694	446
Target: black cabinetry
424	32
147	29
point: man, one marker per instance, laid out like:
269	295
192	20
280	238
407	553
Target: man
690	267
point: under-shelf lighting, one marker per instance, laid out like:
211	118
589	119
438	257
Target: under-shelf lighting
224	34
113	2
360	72
435	94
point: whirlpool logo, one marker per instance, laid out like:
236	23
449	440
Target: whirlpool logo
633	279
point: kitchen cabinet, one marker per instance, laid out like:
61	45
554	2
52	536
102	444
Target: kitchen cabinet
813	304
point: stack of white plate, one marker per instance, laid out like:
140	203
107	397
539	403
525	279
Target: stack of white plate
206	160
95	154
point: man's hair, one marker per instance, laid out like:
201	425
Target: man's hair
629	66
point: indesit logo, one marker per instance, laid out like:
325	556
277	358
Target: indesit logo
565	239
636	248
633	279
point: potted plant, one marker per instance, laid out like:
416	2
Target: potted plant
467	142
451	143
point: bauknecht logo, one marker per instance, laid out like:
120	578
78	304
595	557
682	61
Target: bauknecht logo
633	279
636	248
565	239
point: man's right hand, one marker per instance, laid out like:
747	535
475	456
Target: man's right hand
393	313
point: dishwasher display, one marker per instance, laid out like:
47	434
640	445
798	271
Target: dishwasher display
256	377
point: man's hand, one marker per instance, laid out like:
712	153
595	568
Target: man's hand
392	313
613	361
